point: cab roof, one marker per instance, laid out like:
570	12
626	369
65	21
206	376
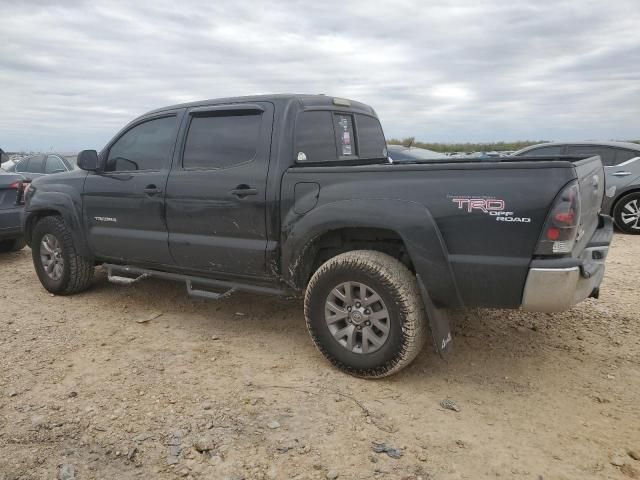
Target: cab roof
305	100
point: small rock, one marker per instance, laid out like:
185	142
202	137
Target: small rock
273	425
149	317
203	444
132	453
450	405
66	471
635	454
332	475
215	337
422	457
207	406
142	437
617	461
390	451
11	393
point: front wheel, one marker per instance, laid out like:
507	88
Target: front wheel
364	313
627	213
58	266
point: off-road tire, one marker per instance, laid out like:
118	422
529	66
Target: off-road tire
12	245
78	271
619	209
399	290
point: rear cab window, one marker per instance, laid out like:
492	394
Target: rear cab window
325	136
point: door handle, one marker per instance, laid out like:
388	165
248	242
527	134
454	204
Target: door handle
242	191
151	190
621	174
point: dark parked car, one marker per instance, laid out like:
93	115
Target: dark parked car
400	153
294	194
11	206
622	169
41	164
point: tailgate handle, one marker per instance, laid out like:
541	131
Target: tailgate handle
621	174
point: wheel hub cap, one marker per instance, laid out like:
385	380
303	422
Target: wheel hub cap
51	256
357	317
631	214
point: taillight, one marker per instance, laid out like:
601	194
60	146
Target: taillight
561	228
21	186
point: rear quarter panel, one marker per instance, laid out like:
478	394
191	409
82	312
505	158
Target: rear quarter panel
487	258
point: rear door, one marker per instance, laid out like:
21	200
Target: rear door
618	170
124	204
216	193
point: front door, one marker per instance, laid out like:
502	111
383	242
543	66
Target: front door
123	205
216	192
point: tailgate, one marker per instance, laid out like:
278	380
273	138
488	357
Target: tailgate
590	174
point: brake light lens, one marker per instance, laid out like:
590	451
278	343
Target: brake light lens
561	227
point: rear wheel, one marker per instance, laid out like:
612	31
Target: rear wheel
627	213
364	313
58	266
12	245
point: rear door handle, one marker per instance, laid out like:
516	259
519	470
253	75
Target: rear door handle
621	174
152	190
242	191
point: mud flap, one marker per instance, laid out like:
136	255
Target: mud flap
438	321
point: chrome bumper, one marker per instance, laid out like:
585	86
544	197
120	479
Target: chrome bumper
558	289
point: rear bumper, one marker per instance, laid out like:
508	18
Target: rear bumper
10	223
557	285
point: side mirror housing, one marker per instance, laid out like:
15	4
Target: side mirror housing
88	160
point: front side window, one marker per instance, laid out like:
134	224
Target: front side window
607	155
146	146
54	165
222	140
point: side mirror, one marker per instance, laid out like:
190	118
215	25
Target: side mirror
88	160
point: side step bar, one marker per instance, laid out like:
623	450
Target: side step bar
128	275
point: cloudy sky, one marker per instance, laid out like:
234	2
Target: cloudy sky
73	73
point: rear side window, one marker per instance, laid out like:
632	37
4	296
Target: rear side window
544	151
624	155
371	142
607	155
31	165
147	146
315	137
222	140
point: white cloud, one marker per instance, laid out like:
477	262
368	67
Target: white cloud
73	73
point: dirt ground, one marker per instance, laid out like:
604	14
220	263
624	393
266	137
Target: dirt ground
143	382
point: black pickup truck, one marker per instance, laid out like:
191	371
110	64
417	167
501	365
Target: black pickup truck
293	194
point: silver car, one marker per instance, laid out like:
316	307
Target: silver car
622	167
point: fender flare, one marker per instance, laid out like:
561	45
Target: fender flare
412	221
45	203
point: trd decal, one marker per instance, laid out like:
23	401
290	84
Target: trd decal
494	207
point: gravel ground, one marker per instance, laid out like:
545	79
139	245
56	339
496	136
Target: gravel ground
142	382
